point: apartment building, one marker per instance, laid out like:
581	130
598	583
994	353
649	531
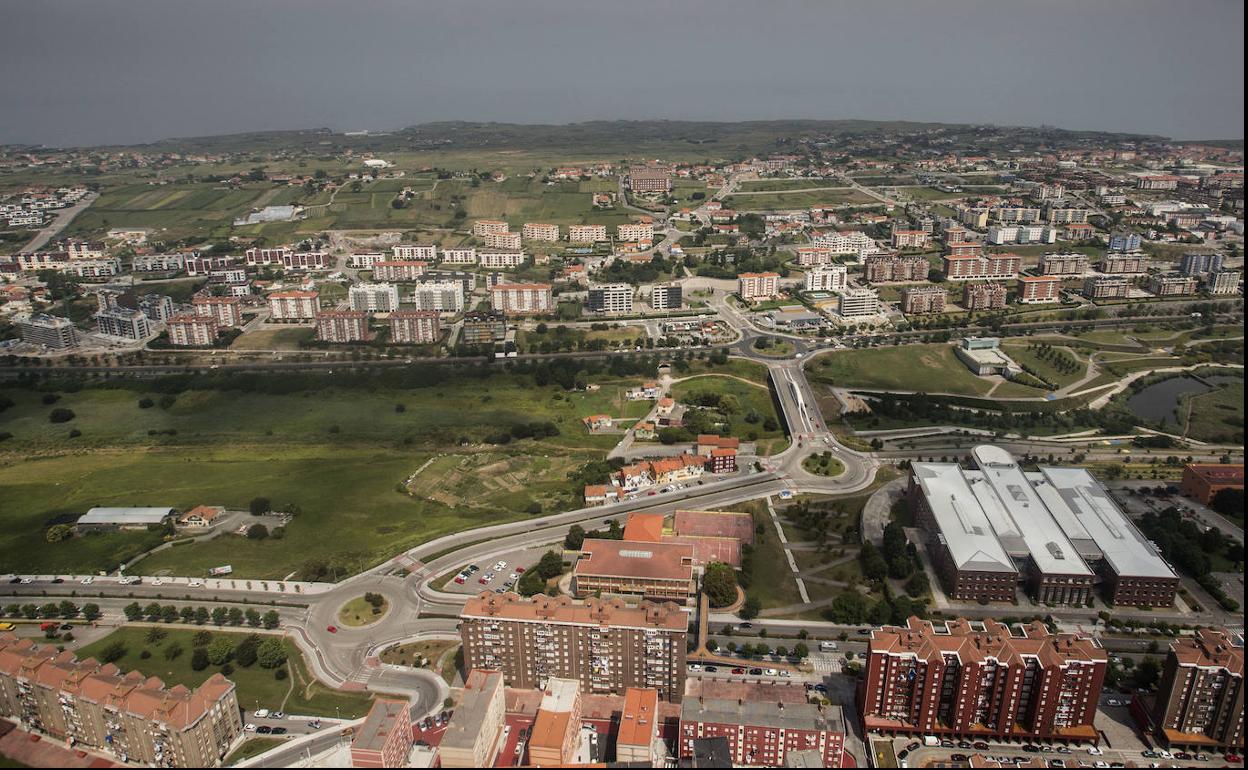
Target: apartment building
200	264
762	733
555	736
374	297
293	305
126	715
1127	263
647	180
1056	533
415	327
992	266
815	255
522	298
963	248
439	296
1066	215
257	257
1124	240
1198	264
510	241
981	679
1107	287
157	263
983	296
639	727
406	252
1200	701
1158	182
916	300
365	260
84	249
635	231
483	327
606	645
1020	214
858	303
882	269
124	322
226	311
342	326
474	733
587	233
540	231
1201	481
307	260
1172	285
974	216
666	296
910	239
1020	234
399	270
459	256
49	331
610	298
192	331
1064	264
1222	282
827	278
1039	289
758	286
845	242
385	737
658	571
483	227
500	260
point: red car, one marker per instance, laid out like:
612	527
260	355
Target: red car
332	629
738	671
1233	758
520	570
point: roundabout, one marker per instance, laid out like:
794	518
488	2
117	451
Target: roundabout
364	610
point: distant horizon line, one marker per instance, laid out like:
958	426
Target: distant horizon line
451	121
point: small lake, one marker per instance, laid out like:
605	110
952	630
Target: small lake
1158	401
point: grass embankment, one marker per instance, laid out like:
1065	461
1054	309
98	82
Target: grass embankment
917	368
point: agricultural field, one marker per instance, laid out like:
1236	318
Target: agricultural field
274	339
918	368
297	693
786	185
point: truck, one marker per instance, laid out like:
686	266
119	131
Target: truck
222	570
931	740
827	646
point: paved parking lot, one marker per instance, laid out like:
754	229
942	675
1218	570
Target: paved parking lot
526	558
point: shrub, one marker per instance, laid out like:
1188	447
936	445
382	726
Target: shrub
146	403
61	414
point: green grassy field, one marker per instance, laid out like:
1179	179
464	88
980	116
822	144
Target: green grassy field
797	200
340	455
925	368
751	397
785	185
1022	354
297	694
1218	415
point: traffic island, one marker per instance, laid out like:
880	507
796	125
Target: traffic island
823	464
363	610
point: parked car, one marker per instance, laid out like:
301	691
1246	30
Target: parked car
332	629
279	731
260	713
249	728
264	730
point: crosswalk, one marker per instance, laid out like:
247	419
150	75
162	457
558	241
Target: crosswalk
825	664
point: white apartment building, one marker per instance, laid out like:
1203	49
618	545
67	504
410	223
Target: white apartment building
294	305
1002	234
587	233
845	242
540	231
1222	282
484	227
439	296
154	263
415	251
399	270
502	240
815	255
93	268
500	260
459	256
610	298
522	298
365	260
666	296
374	297
827	278
758	286
635	231
857	303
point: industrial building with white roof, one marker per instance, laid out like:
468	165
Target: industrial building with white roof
1056	531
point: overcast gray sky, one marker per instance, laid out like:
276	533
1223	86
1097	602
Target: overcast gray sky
105	71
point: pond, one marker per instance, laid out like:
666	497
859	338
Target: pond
1158	402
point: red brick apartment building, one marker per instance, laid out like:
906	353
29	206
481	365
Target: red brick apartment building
342	326
924	299
762	733
1200	702
227	310
881	269
981	679
96	705
1039	289
983	296
1202	481
385	738
974	267
399	270
415	327
606	645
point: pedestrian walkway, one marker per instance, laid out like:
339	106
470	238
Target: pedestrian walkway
788	553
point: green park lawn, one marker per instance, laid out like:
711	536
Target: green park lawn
1046	367
1218	415
297	694
918	368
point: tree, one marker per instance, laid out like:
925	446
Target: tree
219	650
270	619
173	651
155	635
1228	502
873	564
257	532
58	532
751	608
271	653
219	615
235	616
720	583
133	611
201	615
376	600
1147	673
711	645
575	538
259	506
169	614
253	617
801	651
68	609
91	612
61	414
550	565
199	659
113	652
245	654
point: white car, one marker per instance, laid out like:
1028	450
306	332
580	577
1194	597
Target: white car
158	582
770	672
27	581
87	581
1094	751
249	728
694	667
260	713
502	565
513	577
196	583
